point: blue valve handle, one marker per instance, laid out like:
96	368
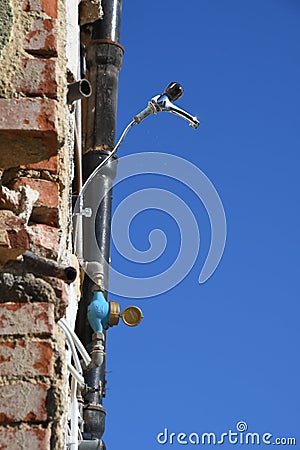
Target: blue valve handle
98	313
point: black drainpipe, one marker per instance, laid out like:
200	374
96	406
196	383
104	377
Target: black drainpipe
103	61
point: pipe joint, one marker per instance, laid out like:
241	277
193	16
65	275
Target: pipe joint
108	54
91	444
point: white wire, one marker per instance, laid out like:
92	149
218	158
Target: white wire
86	357
75	374
74	342
73	444
72	346
94	173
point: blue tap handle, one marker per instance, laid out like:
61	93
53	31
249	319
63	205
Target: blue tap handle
98	312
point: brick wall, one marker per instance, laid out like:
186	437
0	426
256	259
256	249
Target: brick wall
35	168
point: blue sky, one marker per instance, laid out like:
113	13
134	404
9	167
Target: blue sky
208	356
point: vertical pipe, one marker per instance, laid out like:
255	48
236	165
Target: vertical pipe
109	27
103	61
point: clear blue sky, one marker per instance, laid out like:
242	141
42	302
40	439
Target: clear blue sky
208	356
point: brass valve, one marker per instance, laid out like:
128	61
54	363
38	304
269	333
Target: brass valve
131	316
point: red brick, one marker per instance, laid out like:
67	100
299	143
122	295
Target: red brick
48	190
26	318
30	358
26	147
44	240
33	438
45	209
28	132
38	77
60	289
9	199
42	38
35	115
50	164
13	236
45	6
23	402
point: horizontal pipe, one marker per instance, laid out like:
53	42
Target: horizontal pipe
43	266
78	90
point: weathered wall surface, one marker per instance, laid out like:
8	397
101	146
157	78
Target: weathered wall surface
35	172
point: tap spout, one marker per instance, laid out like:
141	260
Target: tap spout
164	102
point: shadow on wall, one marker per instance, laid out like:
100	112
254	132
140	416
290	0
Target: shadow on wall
6	22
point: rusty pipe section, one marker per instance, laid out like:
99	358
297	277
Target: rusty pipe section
104	61
46	267
78	90
104	56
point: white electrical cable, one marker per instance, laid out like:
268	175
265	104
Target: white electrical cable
85	356
77	378
73	444
72	346
95	172
75	374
